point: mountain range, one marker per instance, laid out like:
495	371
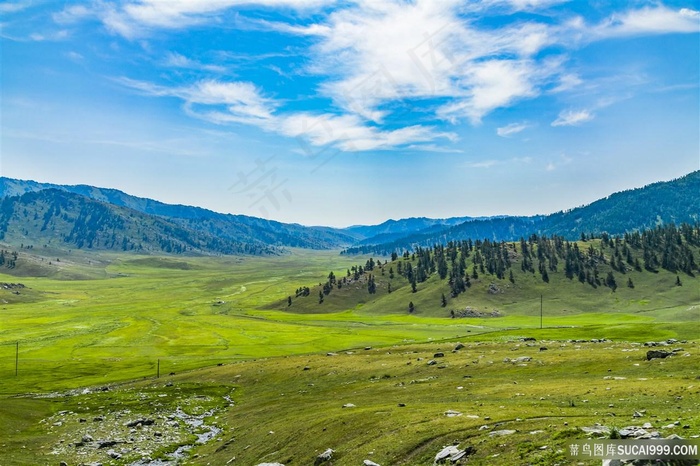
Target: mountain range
89	217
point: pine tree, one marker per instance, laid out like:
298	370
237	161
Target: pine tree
610	281
371	286
678	281
629	283
444	300
411	307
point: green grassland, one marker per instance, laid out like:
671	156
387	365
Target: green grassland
107	319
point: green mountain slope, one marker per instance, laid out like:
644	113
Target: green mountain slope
237	228
675	201
57	218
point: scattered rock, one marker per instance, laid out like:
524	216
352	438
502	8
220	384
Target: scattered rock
323	457
439	355
459	346
596	430
453	454
369	463
498	433
432	362
107	443
471	312
452	413
349	405
657	354
143	422
494	289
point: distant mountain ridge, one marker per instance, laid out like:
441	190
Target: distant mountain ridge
85	216
676	201
226	227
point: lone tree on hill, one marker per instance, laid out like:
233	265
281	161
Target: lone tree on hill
411	307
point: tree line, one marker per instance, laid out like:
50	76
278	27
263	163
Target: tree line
667	247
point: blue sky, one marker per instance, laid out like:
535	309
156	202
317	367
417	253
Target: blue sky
337	113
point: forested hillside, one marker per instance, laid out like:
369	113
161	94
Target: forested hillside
656	260
671	202
239	229
58	218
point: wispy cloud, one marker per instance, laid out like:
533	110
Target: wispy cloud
134	19
573	118
484	164
13	7
511	129
176	60
371	58
241	102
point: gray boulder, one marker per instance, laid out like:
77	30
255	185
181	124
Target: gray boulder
657	354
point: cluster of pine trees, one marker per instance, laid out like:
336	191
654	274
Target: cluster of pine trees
8	259
667	247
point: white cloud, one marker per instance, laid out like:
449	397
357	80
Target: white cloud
511	129
241	102
494	84
373	58
135	18
349	133
176	60
72	14
13	7
385	52
573	118
484	164
649	20
220	102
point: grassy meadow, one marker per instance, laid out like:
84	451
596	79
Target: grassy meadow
222	326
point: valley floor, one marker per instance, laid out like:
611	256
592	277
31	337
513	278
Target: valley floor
512	402
121	359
